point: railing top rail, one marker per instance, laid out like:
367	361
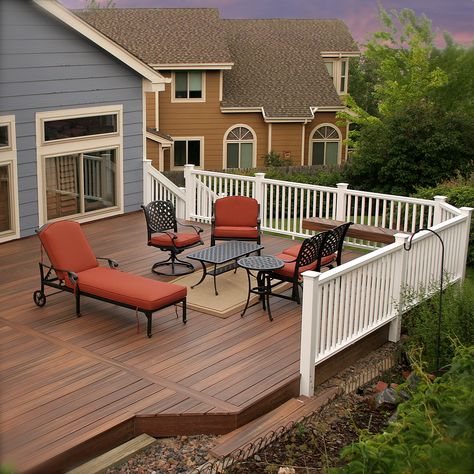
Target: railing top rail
390	197
294	184
352	265
166	182
450	208
223	175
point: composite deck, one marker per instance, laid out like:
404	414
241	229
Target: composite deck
72	387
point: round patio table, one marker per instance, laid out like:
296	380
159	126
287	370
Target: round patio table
264	265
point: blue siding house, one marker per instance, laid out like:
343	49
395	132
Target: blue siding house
71	119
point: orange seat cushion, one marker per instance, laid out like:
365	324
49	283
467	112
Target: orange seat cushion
289	269
236	232
129	289
239	211
294	250
182	240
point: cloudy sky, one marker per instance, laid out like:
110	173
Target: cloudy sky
454	16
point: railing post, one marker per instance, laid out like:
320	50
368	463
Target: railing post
437	209
190	186
310	327
399	280
341	201
259	190
147	195
464	247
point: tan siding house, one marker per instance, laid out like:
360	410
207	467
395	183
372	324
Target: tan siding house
237	89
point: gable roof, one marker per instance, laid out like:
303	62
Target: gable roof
275	66
64	15
165	36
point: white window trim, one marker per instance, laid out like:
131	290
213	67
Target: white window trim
75	146
8	156
225	141
337	72
201	151
311	141
79	113
173	89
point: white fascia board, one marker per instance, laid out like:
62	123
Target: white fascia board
331	108
287	119
240	110
340	54
192	66
76	23
156	138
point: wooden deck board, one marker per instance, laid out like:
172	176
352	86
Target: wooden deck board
68	381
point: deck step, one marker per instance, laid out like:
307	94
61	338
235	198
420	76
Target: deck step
117	455
289	412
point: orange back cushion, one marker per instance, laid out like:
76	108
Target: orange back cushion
67	247
236	211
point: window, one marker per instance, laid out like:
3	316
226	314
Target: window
326	143
240	148
187	152
9	217
80	183
188	85
80	163
338	70
4	136
79	127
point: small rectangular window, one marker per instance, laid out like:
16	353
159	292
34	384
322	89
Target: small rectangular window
6	223
80	127
4	136
187	152
330	68
343	82
188	85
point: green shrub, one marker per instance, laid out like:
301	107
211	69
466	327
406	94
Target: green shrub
273	159
457	323
433	432
459	193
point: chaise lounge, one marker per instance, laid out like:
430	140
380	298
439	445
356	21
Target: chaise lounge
74	268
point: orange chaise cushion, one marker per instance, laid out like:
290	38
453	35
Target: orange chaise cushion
236	232
237	211
182	240
67	247
130	289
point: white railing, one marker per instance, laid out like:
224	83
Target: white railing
157	187
349	302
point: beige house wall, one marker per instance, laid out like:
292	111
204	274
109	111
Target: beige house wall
204	119
286	141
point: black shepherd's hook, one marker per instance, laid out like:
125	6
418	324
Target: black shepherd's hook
407	246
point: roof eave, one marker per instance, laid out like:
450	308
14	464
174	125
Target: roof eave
195	66
82	27
340	54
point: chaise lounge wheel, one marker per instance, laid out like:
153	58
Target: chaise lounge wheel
39	298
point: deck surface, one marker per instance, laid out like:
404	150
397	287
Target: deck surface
65	381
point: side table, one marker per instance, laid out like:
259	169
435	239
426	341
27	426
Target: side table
264	265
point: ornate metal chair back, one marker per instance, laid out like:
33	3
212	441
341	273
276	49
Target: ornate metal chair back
160	216
310	250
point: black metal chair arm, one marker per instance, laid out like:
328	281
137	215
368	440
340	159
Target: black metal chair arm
112	263
195	227
72	276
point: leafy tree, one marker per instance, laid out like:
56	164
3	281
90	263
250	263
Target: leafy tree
412	133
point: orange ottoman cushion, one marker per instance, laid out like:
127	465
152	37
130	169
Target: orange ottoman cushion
129	289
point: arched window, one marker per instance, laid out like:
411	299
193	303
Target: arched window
326	143
240	148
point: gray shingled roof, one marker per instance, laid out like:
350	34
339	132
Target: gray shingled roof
277	63
164	35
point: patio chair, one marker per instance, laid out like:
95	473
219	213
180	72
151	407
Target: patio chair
74	268
162	230
307	258
235	218
331	254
